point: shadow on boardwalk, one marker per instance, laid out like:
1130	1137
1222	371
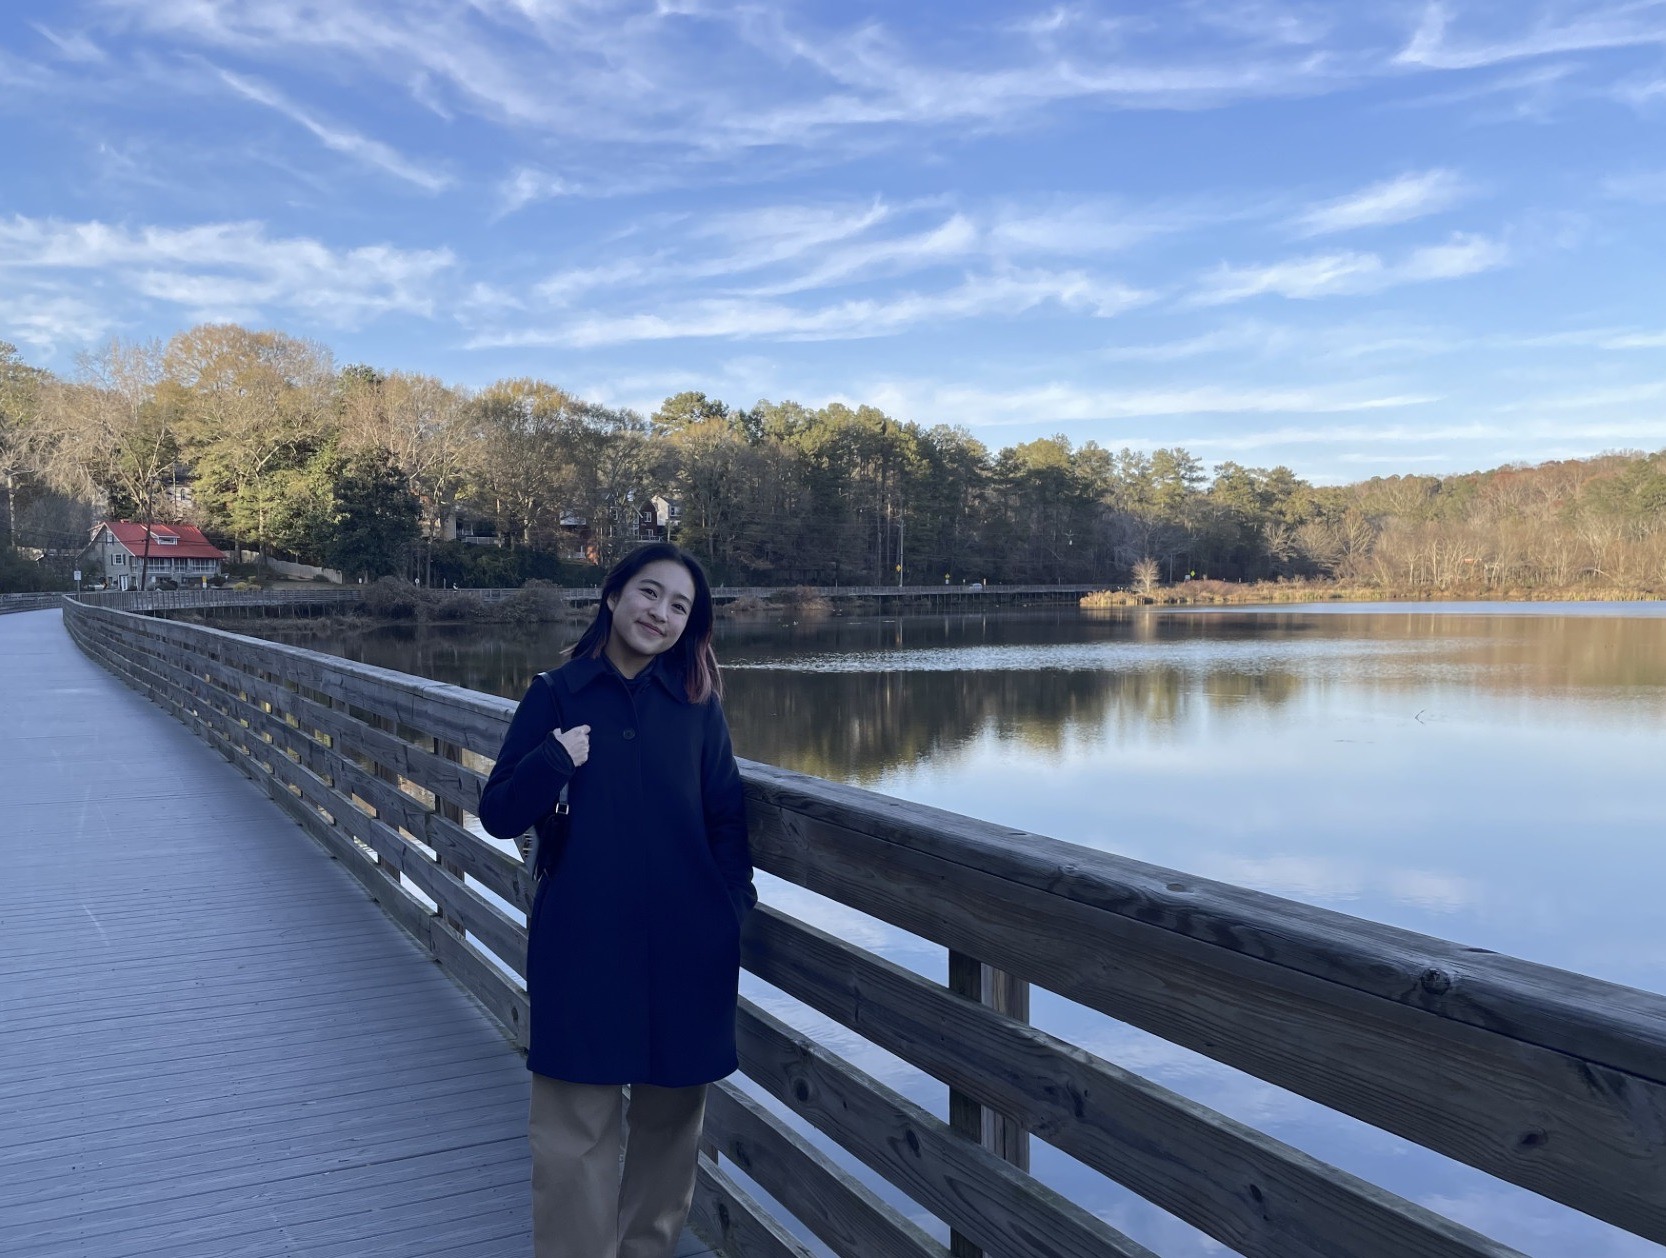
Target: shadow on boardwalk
215	1043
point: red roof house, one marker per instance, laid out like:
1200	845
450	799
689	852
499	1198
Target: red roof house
178	552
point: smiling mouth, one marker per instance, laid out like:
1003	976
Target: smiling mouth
658	633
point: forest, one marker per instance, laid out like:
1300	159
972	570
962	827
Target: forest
266	443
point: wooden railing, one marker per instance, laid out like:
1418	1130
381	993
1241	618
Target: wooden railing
28	602
208	599
1547	1079
198	600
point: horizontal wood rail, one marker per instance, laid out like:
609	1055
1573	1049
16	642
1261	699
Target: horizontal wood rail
1550	1080
322	595
28	602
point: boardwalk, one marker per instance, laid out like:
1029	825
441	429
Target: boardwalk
212	1043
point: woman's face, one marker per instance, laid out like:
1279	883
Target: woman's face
651	612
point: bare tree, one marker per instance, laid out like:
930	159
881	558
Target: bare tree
422	426
20	435
110	440
1147	572
517	430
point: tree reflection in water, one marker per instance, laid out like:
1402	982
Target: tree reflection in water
853	699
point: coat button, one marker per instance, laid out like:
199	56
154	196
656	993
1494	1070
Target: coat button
630	733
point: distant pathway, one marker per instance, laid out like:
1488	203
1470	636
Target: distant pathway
212	1042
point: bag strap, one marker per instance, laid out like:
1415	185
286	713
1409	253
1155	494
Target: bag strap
530	853
548	678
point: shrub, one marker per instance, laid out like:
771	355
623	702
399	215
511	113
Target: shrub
535	601
801	599
391	598
745	605
454	606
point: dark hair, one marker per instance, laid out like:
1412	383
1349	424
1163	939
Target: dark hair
692	651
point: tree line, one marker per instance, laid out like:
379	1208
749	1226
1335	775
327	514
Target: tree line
261	439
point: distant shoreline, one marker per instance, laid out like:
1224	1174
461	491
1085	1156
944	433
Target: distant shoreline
1226	593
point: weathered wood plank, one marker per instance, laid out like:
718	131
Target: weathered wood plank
506	1002
727	1218
442	775
1255	1194
1606	1023
461	903
219	1048
996	1205
833	1204
1560	1123
456	786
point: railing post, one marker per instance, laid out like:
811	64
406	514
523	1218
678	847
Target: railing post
1001	1135
451	812
386	724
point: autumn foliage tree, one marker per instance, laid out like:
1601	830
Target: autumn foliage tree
257	436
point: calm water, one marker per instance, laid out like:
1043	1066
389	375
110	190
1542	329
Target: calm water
1489	774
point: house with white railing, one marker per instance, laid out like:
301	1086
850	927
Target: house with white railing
129	554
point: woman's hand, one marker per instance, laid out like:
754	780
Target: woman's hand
576	741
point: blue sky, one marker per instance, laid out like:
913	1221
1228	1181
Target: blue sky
1355	238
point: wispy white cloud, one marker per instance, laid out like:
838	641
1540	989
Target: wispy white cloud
1587	28
773	251
1634	340
1061	401
1336	274
763	76
73	45
527	184
1397	200
1594	399
955	238
219	270
1647	186
1461	256
794	240
22	75
769	234
1319	275
753	318
336	138
1260	339
1090	228
51	321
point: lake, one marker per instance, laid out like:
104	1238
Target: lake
1488	773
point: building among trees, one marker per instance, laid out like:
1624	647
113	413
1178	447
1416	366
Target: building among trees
137	556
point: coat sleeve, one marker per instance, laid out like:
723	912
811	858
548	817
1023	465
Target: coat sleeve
724	801
531	768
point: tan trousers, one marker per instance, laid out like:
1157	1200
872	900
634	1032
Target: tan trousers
583	1204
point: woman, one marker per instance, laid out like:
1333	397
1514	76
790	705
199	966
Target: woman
633	944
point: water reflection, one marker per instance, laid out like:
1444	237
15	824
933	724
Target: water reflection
858	699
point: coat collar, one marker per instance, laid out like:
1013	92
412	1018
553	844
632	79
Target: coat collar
591	669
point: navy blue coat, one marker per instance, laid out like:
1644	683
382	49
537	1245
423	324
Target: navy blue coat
633	944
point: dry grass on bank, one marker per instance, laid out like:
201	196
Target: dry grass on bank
797	601
1193	593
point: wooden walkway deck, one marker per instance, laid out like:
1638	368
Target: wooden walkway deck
212	1042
